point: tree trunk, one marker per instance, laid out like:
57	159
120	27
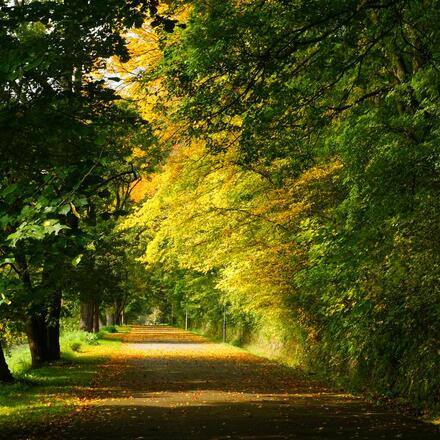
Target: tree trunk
87	313
5	374
117	319
53	327
96	318
36	329
109	316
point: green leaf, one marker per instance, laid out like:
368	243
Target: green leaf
64	210
77	260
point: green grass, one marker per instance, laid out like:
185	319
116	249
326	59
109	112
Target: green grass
19	360
123	328
41	395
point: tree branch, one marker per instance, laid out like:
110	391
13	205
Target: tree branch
11	265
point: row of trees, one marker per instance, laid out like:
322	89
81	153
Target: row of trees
302	188
69	158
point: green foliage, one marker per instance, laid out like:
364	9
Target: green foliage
75	346
306	180
19	360
109	329
66	151
300	195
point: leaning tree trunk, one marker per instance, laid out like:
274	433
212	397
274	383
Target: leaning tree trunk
87	312
53	327
36	329
5	374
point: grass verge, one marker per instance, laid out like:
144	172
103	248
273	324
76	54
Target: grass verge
40	396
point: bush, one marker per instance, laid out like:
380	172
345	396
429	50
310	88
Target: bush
74	340
76	346
93	338
109	329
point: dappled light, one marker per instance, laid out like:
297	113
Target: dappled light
157	335
219	219
201	389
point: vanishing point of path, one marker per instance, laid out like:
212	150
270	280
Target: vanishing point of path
170	384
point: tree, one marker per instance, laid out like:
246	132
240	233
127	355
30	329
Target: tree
327	112
61	136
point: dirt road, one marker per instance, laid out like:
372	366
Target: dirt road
169	384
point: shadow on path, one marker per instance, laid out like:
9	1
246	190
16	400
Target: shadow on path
170	384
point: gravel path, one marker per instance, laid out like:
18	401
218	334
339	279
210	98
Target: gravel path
169	384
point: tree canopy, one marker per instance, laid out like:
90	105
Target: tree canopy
277	161
304	175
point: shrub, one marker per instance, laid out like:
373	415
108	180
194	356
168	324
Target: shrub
109	329
76	346
93	338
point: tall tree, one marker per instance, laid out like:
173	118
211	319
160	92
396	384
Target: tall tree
332	104
61	137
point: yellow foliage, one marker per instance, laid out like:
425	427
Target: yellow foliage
203	212
144	46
